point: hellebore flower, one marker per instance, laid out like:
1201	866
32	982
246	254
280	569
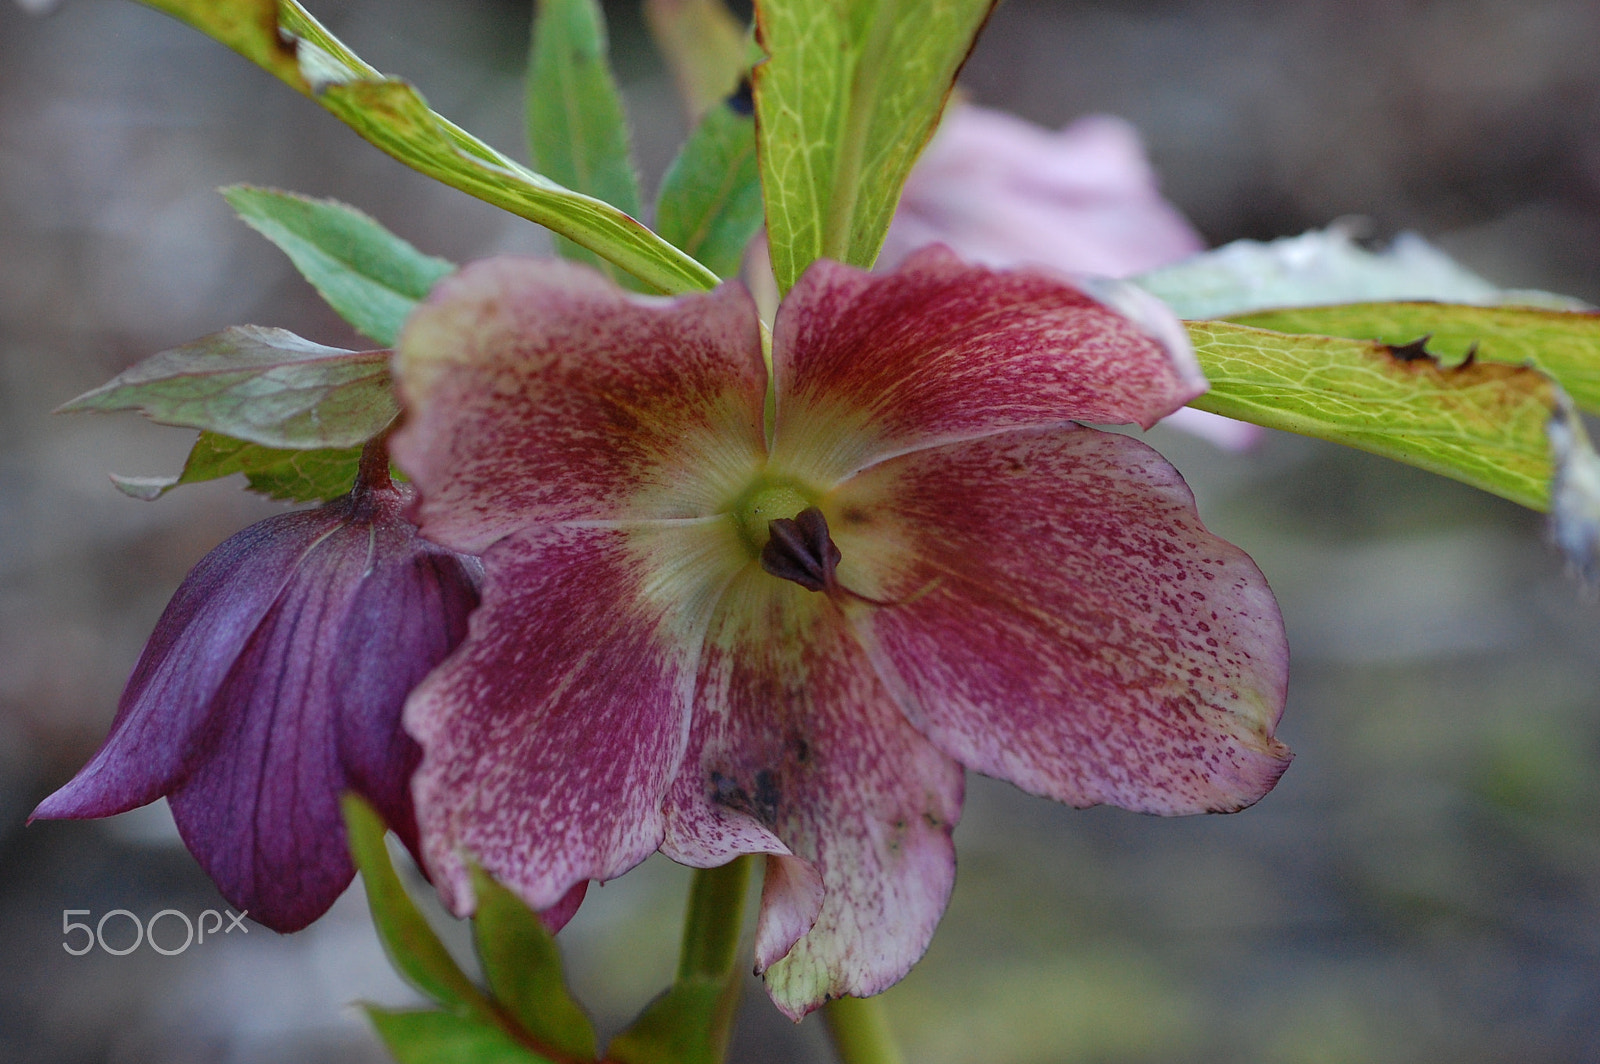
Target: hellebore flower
272	683
705	637
1003	191
1083	200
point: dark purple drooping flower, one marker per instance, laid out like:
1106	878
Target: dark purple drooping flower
273	683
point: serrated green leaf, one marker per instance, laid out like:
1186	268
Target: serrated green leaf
262	385
577	130
413	947
710	203
393	116
1565	344
426	1037
285	475
371	277
523	966
1481	423
678	1027
705	46
848	97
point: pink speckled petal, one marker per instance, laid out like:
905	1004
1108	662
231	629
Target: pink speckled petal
549	738
795	736
873	365
1064	621
538	391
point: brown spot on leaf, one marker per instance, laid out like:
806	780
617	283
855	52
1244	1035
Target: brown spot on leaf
1412	352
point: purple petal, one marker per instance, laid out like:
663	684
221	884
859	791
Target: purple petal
408	614
261	812
164	724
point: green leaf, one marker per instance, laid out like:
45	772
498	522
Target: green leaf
705	46
1322	267
1564	344
710	204
848	97
366	273
426	1037
413	947
577	130
1481	423
265	386
523	966
679	1026
286	475
393	116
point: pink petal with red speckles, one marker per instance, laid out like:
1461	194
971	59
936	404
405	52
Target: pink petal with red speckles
873	365
538	391
549	738
795	735
1065	622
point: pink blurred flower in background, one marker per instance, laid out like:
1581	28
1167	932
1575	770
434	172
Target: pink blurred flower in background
1003	191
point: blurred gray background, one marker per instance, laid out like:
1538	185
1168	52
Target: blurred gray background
1423	886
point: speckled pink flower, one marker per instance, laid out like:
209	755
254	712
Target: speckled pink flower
714	634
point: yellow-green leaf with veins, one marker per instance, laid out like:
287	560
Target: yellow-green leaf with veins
1565	344
393	116
1481	423
847	98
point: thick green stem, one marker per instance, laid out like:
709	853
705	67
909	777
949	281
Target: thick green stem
711	926
860	1031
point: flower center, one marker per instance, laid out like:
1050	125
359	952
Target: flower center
765	501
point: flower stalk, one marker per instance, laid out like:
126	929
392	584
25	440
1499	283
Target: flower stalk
714	918
860	1031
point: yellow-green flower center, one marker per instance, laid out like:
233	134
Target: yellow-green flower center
765	501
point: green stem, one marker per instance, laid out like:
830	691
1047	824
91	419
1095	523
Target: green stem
860	1031
711	926
710	951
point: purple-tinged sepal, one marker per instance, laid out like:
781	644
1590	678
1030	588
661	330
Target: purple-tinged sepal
273	683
